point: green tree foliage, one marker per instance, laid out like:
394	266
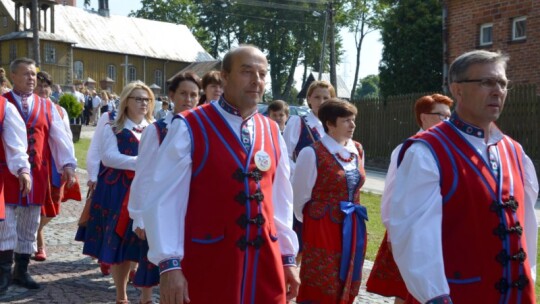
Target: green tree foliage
368	88
412	55
73	107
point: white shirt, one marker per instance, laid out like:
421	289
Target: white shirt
415	218
292	131
14	140
109	153
60	144
164	217
96	101
144	169
389	184
305	175
93	158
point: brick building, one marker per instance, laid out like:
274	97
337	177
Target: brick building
512	26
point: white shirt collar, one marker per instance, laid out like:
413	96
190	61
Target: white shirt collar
334	147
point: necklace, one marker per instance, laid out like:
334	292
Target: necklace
346	160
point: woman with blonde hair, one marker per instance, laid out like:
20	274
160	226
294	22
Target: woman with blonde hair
109	236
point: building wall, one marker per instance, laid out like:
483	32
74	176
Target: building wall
463	25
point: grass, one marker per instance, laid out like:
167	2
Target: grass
81	148
375	231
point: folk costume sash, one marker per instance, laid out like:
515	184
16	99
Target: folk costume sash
484	248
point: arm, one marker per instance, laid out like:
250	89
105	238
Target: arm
389	186
415	225
144	168
304	180
531	226
60	143
67	126
111	156
92	157
15	142
291	134
164	218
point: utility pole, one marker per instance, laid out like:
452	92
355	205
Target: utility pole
323	44
333	77
35	31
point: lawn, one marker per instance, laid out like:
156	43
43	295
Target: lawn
375	230
81	147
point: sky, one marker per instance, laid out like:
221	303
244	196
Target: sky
369	59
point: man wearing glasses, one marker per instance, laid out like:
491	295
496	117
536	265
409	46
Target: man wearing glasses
461	218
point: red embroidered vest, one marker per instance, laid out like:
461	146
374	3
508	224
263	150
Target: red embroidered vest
230	239
484	248
39	154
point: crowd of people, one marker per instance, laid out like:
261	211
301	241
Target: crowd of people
245	208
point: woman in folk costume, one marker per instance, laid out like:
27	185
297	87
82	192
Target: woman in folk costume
109	236
384	278
183	91
326	187
58	191
302	131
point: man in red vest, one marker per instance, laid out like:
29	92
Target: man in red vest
13	157
220	217
46	136
464	230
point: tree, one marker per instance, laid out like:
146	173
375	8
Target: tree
365	17
368	88
412	56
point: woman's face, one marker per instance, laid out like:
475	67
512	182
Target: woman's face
213	91
185	97
343	129
317	98
137	104
43	89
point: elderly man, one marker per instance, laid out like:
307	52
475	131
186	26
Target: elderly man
46	137
224	225
464	228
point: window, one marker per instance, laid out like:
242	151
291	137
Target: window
158	78
78	69
132	73
12	52
4	21
519	28
111	72
486	34
50	53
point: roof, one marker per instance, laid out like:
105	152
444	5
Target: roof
120	34
201	68
342	89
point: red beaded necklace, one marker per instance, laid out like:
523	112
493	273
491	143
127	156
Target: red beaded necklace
346	160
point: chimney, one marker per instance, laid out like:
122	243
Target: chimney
103	8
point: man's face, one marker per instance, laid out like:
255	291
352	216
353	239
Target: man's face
24	78
244	84
481	103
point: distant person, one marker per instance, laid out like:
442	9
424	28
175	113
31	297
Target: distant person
96	103
163	111
462	223
384	278
212	87
278	111
5	85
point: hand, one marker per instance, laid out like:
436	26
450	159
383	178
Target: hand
68	176
140	233
25	183
91	185
292	281
173	288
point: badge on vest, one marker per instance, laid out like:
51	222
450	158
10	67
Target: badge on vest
262	160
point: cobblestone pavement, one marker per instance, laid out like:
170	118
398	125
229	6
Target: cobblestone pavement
67	276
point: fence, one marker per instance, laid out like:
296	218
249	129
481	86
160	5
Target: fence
383	124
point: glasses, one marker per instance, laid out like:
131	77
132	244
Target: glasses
140	99
489	83
441	115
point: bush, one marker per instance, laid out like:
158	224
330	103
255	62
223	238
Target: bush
73	107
